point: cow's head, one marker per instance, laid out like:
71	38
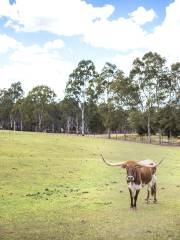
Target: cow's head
132	169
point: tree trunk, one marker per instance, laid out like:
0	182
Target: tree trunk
11	122
14	125
39	124
68	125
149	128
21	125
160	141
170	136
77	126
109	133
82	111
40	121
53	127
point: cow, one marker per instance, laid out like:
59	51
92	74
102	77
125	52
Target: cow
139	174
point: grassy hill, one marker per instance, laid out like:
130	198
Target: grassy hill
57	187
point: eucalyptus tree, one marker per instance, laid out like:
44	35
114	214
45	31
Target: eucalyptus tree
105	94
106	77
171	123
174	84
6	106
70	114
40	97
81	86
94	118
8	99
125	99
16	94
148	74
18	114
53	117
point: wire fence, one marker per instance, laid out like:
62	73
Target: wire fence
155	139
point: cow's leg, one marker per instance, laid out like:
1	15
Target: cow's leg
148	193
154	192
135	198
154	188
130	192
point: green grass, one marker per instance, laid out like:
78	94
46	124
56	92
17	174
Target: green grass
57	187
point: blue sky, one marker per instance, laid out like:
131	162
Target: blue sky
41	42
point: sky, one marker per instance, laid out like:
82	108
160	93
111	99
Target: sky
42	41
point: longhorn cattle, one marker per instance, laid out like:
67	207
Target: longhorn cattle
139	174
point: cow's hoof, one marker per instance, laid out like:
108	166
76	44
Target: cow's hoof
155	201
133	208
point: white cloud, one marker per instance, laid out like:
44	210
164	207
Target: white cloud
8	43
142	16
77	17
35	65
121	34
63	17
56	44
166	37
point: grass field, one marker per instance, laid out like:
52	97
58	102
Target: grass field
57	187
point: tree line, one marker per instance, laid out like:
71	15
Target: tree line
147	101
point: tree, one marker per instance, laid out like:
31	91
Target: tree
6	105
16	94
94	118
17	113
70	115
105	94
81	86
125	92
40	97
148	75
174	84
105	79
8	98
170	123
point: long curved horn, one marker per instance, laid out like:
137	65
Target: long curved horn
118	164
151	165
160	161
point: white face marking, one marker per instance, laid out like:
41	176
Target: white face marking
134	187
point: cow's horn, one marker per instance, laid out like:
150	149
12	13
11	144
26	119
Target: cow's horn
160	161
153	165
118	164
